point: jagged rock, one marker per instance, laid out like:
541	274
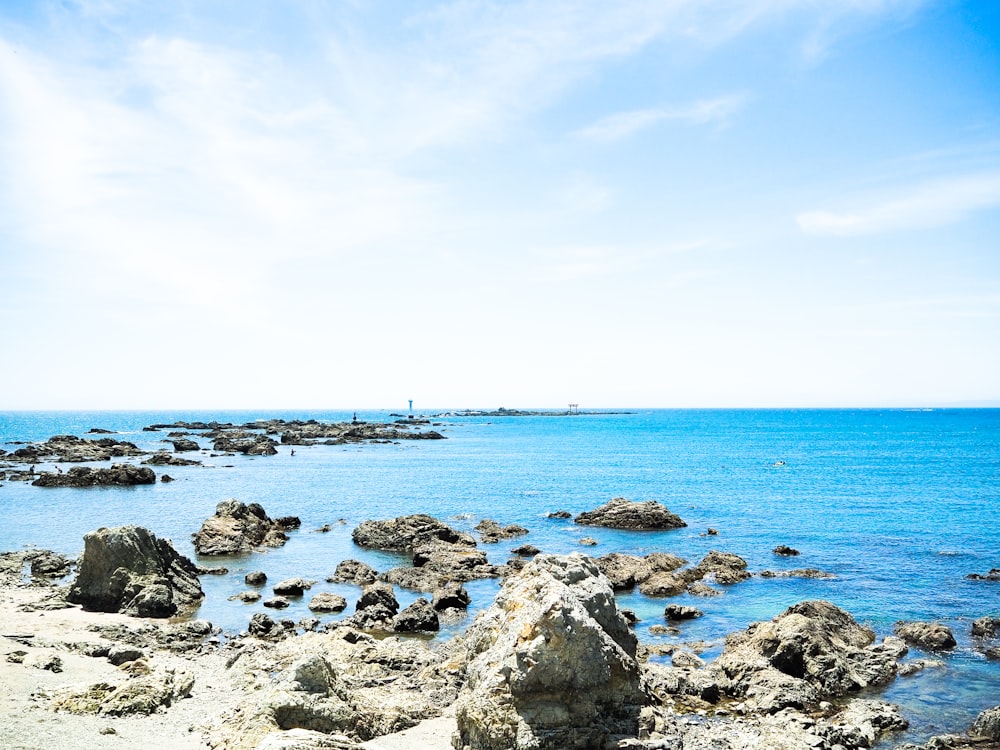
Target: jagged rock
681	612
376	606
724	567
406	533
165	458
253	445
620	513
686	660
491	532
812	651
326	602
238	528
626	571
986	627
930	636
662	584
247	597
784	549
292	587
700	589
121	475
993	654
260	624
987	724
862	722
129	570
47	564
306	739
552	663
138	695
451	595
184	445
354	571
73	449
418	617
918	665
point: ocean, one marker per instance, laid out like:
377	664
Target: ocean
899	505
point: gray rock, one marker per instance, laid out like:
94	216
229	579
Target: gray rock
930	636
418	617
405	533
260	624
681	612
184	445
238	528
130	570
354	571
620	513
784	549
378	596
292	587
326	602
986	627
451	595
255	578
491	532
987	724
276	602
120	475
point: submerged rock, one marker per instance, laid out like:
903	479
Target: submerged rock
552	663
620	513
128	569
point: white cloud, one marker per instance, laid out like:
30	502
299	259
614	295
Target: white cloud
717	111
930	204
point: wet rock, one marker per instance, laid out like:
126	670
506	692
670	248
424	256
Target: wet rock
239	528
406	533
797	573
354	571
292	587
121	475
587	541
987	724
620	513
73	449
993	575
700	589
986	627
552	663
247	597
128	569
418	617
451	595
930	636
681	612
559	514
526	550
183	445
165	458
785	550
253	445
326	602
910	668
626	571
686	660
662	584
812	651
725	567
276	602
491	532
993	654
255	578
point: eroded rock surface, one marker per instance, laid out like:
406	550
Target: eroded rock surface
238	528
620	513
406	533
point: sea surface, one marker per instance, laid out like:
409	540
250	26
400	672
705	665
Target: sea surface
899	505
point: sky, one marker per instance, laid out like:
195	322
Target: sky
304	204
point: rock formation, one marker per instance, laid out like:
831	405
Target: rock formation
123	475
552	663
238	528
405	533
620	513
130	570
930	636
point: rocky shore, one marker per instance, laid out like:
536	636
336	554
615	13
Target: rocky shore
110	657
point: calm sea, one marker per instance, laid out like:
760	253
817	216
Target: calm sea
900	505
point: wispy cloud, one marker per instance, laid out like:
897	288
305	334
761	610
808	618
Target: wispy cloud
717	111
930	204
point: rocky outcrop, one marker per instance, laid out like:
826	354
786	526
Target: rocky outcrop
406	533
797	573
418	617
72	449
451	595
681	612
620	513
165	458
987	724
256	445
354	571
723	567
238	528
121	475
785	550
130	570
182	445
813	651
929	636
993	575
552	663
625	572
986	627
327	602
140	695
490	532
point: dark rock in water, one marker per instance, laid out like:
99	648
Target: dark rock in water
930	636
552	663
260	624
681	612
183	445
797	573
559	514
255	578
121	475
813	651
993	654
354	571
453	562
276	602
292	587
725	567
491	532
783	549
993	575
526	550
72	449
236	528
129	570
164	478
405	533
163	458
451	595
987	724
255	445
378	595
212	571
327	602
620	513
587	541
626	571
418	617
986	627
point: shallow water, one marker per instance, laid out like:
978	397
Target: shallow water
900	505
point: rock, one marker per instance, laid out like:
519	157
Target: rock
451	595
418	617
526	550
378	597
986	627
255	578
72	449
260	624
700	589
165	458
48	564
812	651
121	475
784	549
491	532
306	739
559	514
862	722
121	654
620	513
686	660
129	570
183	445
239	528
993	575
626	571
993	654
292	587
406	533
552	663
138	695
681	612
254	445
276	602
987	724
724	567
930	636
247	597
354	571
326	602
918	665
661	584
454	562
797	573
587	541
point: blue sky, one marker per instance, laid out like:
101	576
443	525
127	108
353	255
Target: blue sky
472	204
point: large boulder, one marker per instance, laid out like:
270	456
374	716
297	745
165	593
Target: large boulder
128	569
552	663
813	651
120	475
620	513
930	636
238	528
406	533
987	724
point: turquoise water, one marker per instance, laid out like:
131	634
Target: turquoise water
899	504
